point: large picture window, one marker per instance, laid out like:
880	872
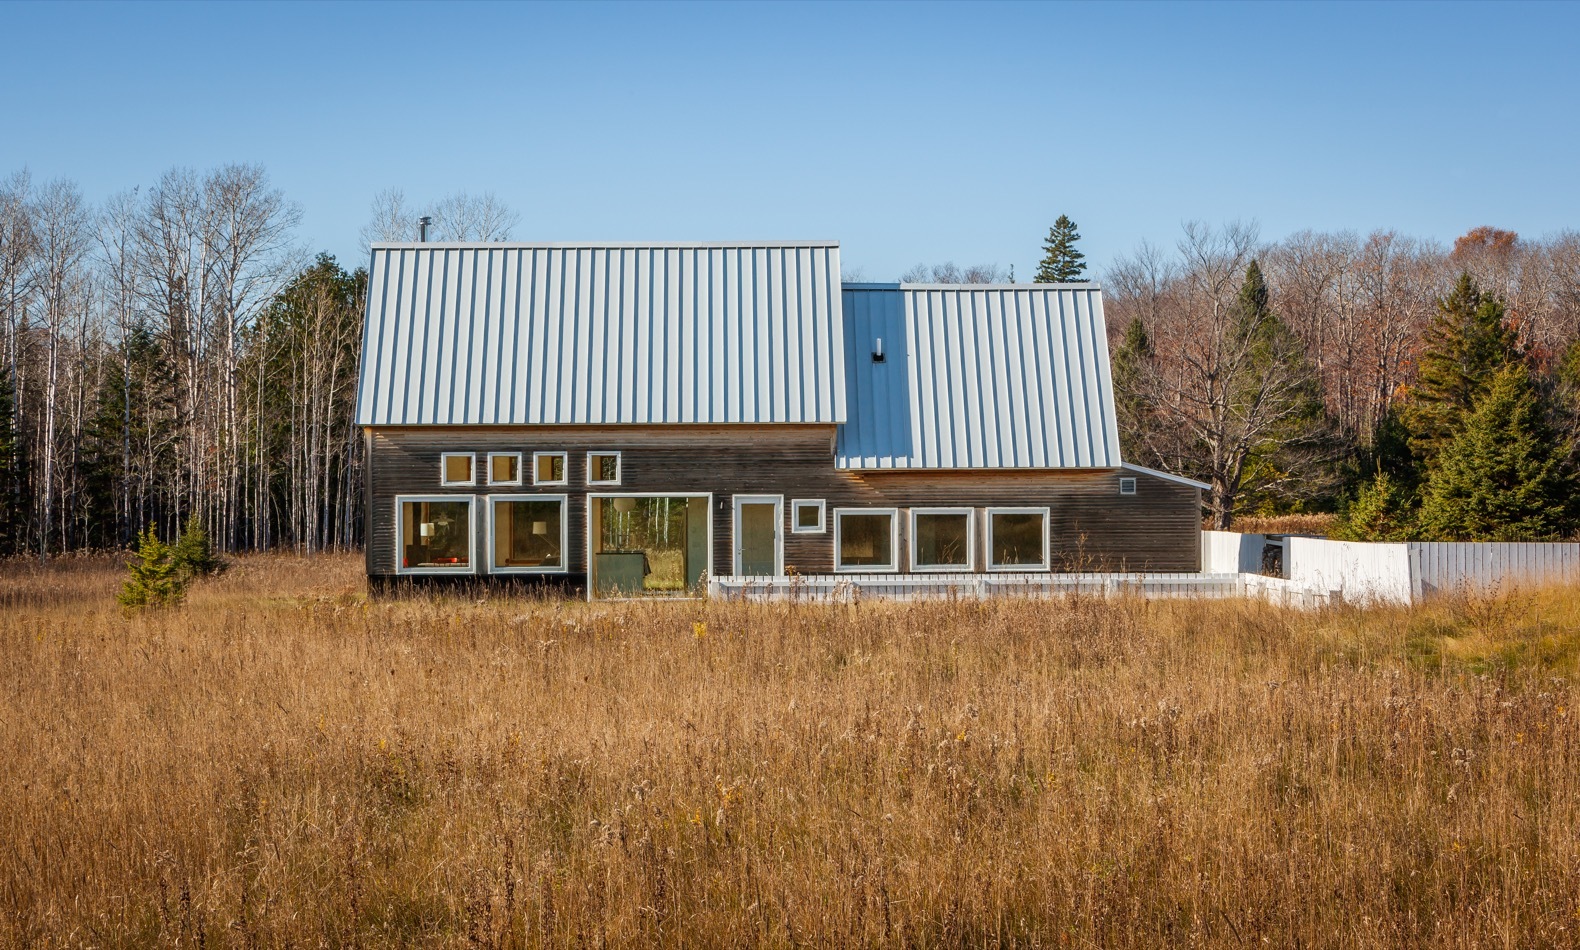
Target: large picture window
866	539
1017	539
434	534
528	534
941	539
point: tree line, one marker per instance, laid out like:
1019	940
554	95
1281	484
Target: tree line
173	356
1418	391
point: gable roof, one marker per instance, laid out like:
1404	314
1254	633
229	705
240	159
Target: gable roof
977	377
547	334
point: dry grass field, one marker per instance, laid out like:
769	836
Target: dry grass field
283	762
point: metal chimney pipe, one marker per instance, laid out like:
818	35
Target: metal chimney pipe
422	228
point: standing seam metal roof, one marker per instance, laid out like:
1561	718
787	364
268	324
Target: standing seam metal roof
977	377
544	334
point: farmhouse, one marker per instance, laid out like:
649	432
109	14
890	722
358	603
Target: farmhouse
632	419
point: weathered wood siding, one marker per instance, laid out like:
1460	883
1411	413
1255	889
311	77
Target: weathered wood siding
1093	526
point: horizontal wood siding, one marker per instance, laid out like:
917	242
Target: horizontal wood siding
1093	526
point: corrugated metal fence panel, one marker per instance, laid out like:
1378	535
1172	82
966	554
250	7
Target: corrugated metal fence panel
978	377
1448	566
535	334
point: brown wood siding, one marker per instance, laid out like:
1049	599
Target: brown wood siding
1092	525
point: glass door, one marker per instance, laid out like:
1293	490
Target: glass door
759	541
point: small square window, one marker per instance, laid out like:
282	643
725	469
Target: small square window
504	468
806	516
455	468
548	468
603	468
1127	486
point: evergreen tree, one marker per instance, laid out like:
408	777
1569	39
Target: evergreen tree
1503	477
1132	398
155	579
13	501
1061	262
1382	511
128	441
1468	343
1273	409
193	554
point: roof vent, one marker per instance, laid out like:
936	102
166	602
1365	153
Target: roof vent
422	228
877	351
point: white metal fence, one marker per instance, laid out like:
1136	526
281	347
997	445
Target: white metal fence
845	588
1319	572
1401	573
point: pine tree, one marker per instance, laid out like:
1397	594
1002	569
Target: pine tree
1132	403
193	554
1061	262
156	580
1275	429
1380	512
1503	477
1468	343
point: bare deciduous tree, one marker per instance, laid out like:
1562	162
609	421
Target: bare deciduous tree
948	273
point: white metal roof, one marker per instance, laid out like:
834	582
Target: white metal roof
508	333
977	377
1167	476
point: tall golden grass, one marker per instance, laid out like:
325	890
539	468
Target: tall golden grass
283	762
1320	525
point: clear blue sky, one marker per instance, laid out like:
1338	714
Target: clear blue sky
910	133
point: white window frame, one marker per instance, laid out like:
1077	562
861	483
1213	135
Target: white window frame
893	567
987	538
1127	485
565	468
588	527
444	467
471	531
795	515
490	473
778	501
565	533
619	469
970	565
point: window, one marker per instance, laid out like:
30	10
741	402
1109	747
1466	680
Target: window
806	516
504	468
527	534
941	539
548	468
434	535
1127	486
1017	539
866	539
603	468
455	468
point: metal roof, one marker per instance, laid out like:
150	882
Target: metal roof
977	377
508	333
